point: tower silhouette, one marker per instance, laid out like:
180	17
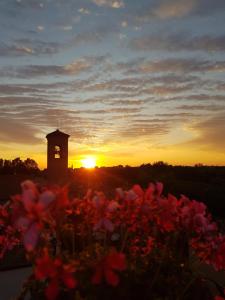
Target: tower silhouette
57	155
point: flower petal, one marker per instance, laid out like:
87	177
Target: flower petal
69	281
31	237
97	277
52	290
46	198
111	277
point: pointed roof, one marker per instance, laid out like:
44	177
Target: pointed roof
57	133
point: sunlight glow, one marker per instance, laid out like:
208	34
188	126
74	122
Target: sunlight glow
88	162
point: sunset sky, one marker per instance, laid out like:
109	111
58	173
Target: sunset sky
131	81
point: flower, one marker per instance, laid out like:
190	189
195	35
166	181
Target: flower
104	223
106	268
94	239
220	297
56	273
29	216
9	236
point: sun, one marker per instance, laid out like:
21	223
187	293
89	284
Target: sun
88	162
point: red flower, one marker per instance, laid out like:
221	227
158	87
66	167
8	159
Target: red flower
106	268
219	257
56	273
220	297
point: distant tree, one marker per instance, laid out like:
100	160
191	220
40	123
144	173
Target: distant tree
119	166
199	165
1	163
160	164
7	167
145	165
18	166
30	164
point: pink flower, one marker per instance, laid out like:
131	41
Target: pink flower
112	206
99	200
149	192
138	190
104	223
29	218
158	188
119	194
131	196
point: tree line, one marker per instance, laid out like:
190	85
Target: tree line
18	166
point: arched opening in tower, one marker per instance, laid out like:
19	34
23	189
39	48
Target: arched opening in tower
57	152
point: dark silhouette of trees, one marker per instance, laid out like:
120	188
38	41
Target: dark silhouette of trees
18	166
160	164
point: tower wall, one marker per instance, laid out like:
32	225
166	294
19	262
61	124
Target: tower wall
57	155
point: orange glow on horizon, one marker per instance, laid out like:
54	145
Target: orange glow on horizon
120	154
89	162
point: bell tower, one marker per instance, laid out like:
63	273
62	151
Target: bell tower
57	155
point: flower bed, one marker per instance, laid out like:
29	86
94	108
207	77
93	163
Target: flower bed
139	245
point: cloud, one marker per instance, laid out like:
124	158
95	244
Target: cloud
114	102
206	97
11	89
137	86
40	28
15	50
179	115
29	47
178	9
139	130
66	27
194	97
95	35
179	42
84	11
174	8
195	107
221	86
109	3
33	4
125	110
210	134
17	132
164	90
127	102
74	68
21	123
124	24
174	65
36	48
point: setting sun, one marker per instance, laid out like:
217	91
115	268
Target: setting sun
88	162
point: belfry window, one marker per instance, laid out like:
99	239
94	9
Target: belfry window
57	152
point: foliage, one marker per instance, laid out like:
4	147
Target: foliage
140	244
18	166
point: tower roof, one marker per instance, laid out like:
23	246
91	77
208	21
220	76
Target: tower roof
57	133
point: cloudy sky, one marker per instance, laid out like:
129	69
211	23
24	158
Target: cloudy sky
131	81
